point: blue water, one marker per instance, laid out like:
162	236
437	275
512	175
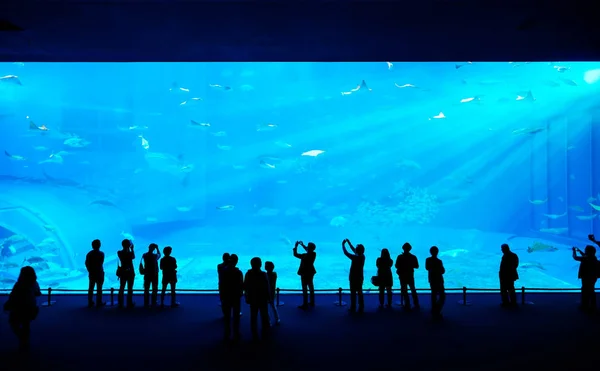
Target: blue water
463	158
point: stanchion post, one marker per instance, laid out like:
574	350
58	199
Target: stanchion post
279	303
112	297
49	302
523	301
464	300
340	302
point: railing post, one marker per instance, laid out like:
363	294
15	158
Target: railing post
49	302
464	300
339	302
523	301
112	297
279	302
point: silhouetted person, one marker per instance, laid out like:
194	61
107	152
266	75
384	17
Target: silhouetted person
307	272
220	267
272	276
126	273
256	287
150	272
356	274
508	276
232	289
94	263
435	271
22	305
406	263
386	279
168	266
588	273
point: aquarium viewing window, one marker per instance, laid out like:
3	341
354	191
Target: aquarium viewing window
248	158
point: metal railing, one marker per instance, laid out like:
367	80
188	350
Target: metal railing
339	292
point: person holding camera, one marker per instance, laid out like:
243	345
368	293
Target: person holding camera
588	274
150	271
307	272
126	273
356	274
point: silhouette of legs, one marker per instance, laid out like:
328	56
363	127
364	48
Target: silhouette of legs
21	328
264	317
274	312
508	293
308	286
405	284
126	280
231	309
382	291
438	298
173	299
150	281
588	294
95	282
356	290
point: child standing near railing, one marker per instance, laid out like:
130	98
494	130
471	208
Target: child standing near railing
272	276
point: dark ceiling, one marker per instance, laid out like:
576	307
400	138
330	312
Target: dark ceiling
306	30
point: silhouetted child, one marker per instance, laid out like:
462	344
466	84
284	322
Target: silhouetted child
168	266
22	305
232	289
356	274
406	263
272	276
256	286
150	271
94	263
436	271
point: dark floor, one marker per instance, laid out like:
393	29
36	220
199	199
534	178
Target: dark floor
68	336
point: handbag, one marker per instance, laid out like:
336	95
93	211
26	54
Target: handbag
119	270
142	269
375	281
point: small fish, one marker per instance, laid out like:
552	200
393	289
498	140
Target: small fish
538	246
144	142
528	97
530	265
103	203
591	199
226	208
127	236
266	127
554	230
175	88
14	157
282	144
405	86
33	260
586	217
221	87
595	207
470	99
360	87
313	153
555	216
538	202
199	124
190	102
49	228
266	165
561	68
11	79
576	208
457	66
390	65
33	126
219	134
53	159
438	116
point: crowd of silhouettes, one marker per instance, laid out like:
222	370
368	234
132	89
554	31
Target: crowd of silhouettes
258	287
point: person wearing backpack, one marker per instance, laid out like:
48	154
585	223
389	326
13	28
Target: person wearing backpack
588	273
149	269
